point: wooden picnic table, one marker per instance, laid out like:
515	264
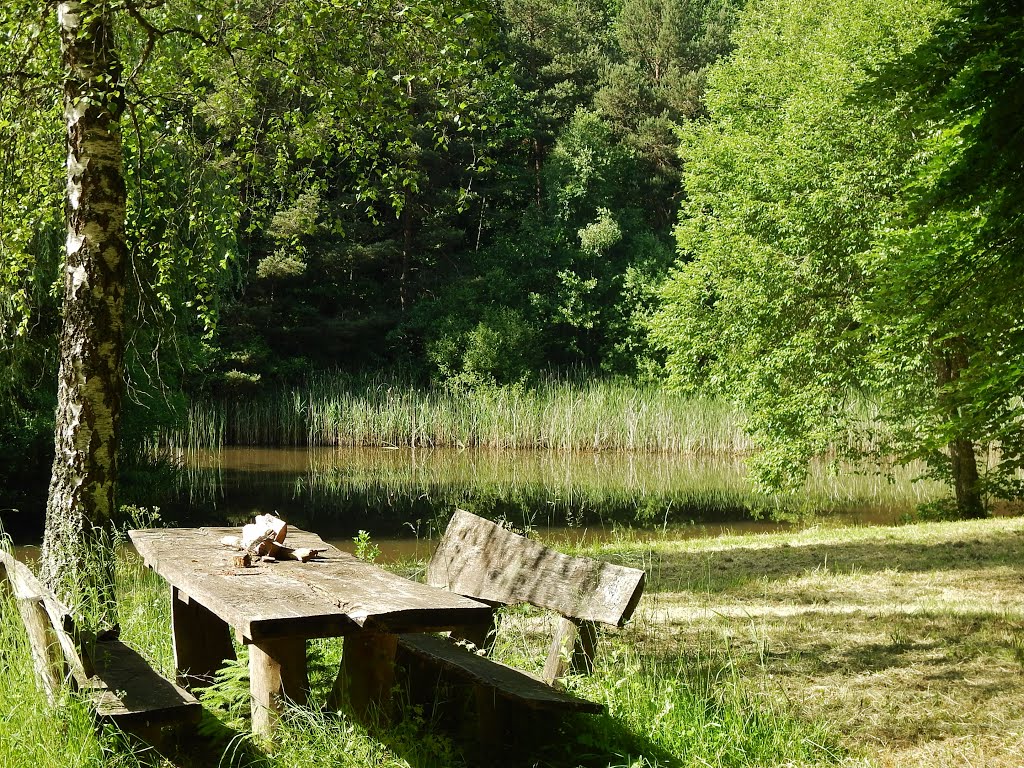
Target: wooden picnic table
275	607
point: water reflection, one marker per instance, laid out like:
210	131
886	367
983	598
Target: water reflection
409	494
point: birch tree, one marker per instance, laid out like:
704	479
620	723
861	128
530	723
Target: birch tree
178	115
82	497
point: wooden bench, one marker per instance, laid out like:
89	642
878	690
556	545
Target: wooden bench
119	684
482	560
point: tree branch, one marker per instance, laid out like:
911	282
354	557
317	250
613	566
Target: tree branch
20	71
154	33
21	74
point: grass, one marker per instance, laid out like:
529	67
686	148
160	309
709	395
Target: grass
563	414
908	638
847	646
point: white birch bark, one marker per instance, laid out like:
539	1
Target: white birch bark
76	560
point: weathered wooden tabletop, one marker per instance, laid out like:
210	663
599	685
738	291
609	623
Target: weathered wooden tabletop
330	596
275	607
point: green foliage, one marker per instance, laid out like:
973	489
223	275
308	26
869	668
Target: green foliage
939	510
792	184
31	242
255	140
573	230
31	184
228	694
502	348
945	269
845	236
360	180
366	549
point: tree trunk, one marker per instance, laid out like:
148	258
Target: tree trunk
966	482
538	191
407	232
77	558
962	454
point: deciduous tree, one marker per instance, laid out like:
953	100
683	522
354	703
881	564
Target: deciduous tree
846	248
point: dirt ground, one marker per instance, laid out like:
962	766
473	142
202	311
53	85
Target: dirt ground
908	640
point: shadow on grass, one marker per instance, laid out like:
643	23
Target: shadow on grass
720	570
443	735
583	740
213	743
535	739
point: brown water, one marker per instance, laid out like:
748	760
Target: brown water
405	495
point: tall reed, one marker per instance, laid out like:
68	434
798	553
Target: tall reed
572	413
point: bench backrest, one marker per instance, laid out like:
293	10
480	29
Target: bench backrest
483	560
55	643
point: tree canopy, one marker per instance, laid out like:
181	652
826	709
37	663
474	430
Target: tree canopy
846	248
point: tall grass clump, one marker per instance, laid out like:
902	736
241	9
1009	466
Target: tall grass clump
34	733
572	413
144	613
666	705
696	710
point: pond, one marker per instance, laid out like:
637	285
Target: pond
403	497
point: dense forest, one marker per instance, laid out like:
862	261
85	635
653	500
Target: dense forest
808	208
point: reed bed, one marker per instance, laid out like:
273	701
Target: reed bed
566	414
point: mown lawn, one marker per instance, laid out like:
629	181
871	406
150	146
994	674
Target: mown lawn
908	642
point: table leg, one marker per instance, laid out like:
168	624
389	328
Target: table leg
202	641
277	670
367	674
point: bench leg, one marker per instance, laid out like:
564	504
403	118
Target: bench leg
46	654
492	716
367	674
277	670
573	648
202	641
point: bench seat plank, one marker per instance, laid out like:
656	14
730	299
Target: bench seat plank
116	680
127	690
507	682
